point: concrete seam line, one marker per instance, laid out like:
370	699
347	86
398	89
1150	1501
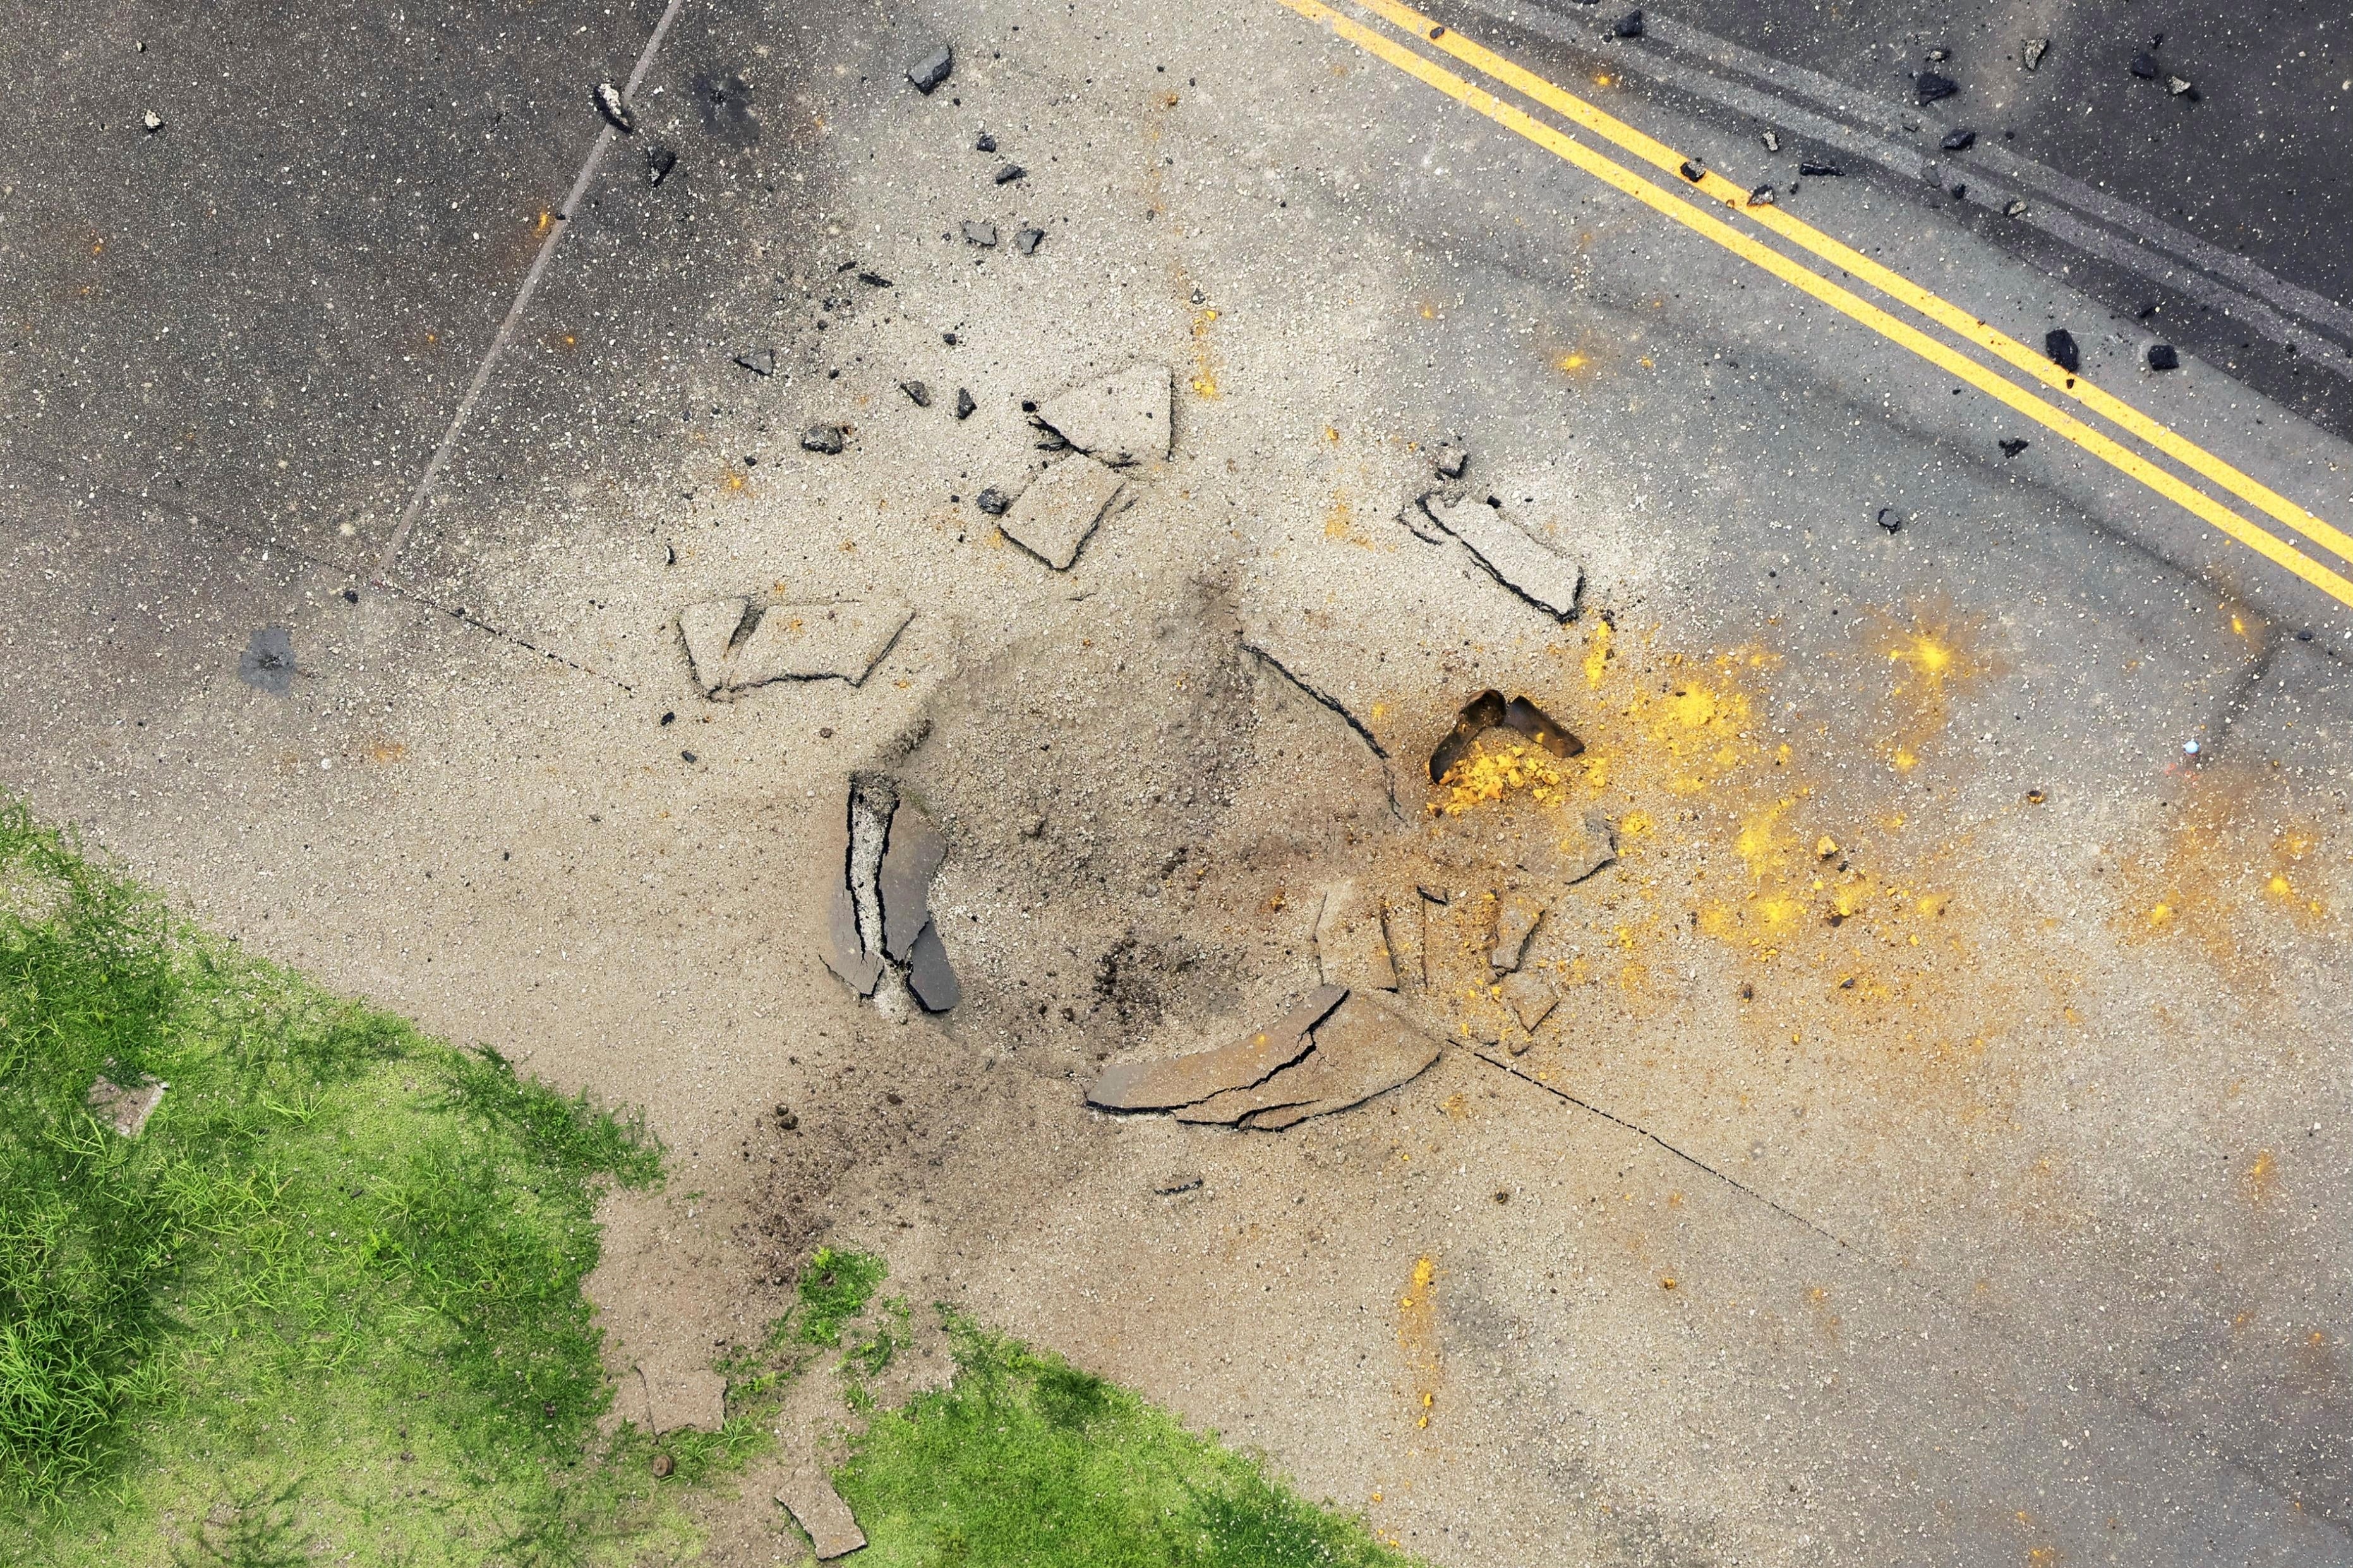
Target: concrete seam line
417	498
2066	425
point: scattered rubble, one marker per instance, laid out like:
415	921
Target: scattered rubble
826	438
696	1399
1190	1079
1120	419
1959	141
978	233
1889	519
1815	170
1693	170
917	392
1763	196
1934	86
1365	1047
1531	998
126	1109
268	662
2011	446
2016	208
1011	172
733	647
1488	710
1059	511
659	161
151	122
1629	26
2144	67
1352	944
1516	920
964	407
1027	240
2031	54
616	113
2180	86
932	69
818	1509
878	916
2162	356
1772	140
2059	344
993	501
987	143
759	362
1521	560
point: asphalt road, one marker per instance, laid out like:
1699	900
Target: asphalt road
2006	1224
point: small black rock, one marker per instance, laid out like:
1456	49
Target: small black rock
917	392
2162	356
826	438
932	70
686	756
1011	172
1819	171
1890	519
670	718
949	339
2060	344
1629	26
1027	240
351	595
2011	446
659	161
1960	141
874	281
987	143
993	501
2145	66
965	406
1934	86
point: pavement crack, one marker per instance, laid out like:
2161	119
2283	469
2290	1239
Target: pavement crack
1325	699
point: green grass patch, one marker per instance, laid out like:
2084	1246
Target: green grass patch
1024	1460
327	1305
833	1289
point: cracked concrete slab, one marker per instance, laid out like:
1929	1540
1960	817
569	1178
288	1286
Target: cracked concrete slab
1366	1048
1056	514
818	1509
1522	557
1352	944
1118	419
736	644
1182	1080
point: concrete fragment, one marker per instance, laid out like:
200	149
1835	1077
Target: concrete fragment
2016	208
151	122
978	233
695	1398
2011	446
912	856
615	111
929	975
1629	26
759	362
2179	85
1059	509
1933	86
1959	140
1119	419
1811	169
1027	240
2030	57
987	143
964	405
818	1509
1528	564
788	642
826	438
843	947
1763	196
2144	66
1531	999
126	1107
1182	1080
1366	1048
1772	140
993	501
1011	172
932	69
1516	922
1351	945
917	392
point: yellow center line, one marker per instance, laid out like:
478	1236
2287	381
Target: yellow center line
1622	178
1892	283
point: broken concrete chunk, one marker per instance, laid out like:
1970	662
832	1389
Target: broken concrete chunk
126	1107
844	947
818	1509
682	1399
616	112
1366	1048
1528	564
978	233
2031	54
1450	461
1813	170
2011	446
917	392
2060	344
1183	1080
2179	85
759	362
1763	196
1351	944
1027	240
150	121
826	438
912	853
1059	509
2016	208
1119	419
1531	999
987	143
1011	172
709	629
932	69
1772	140
2144	66
993	501
1515	921
929	975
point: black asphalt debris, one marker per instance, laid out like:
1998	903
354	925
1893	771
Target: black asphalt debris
1813	171
1934	86
826	438
2030	57
1762	196
2145	66
993	501
987	143
932	70
1890	519
2011	446
964	405
980	234
2163	356
759	362
2060	344
1011	172
874	281
1959	141
1027	240
1629	26
659	161
1693	170
616	112
917	392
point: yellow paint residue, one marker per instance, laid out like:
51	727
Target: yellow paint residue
1596	653
1418	1338
1488	775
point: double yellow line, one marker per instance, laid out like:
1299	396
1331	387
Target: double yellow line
1895	286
